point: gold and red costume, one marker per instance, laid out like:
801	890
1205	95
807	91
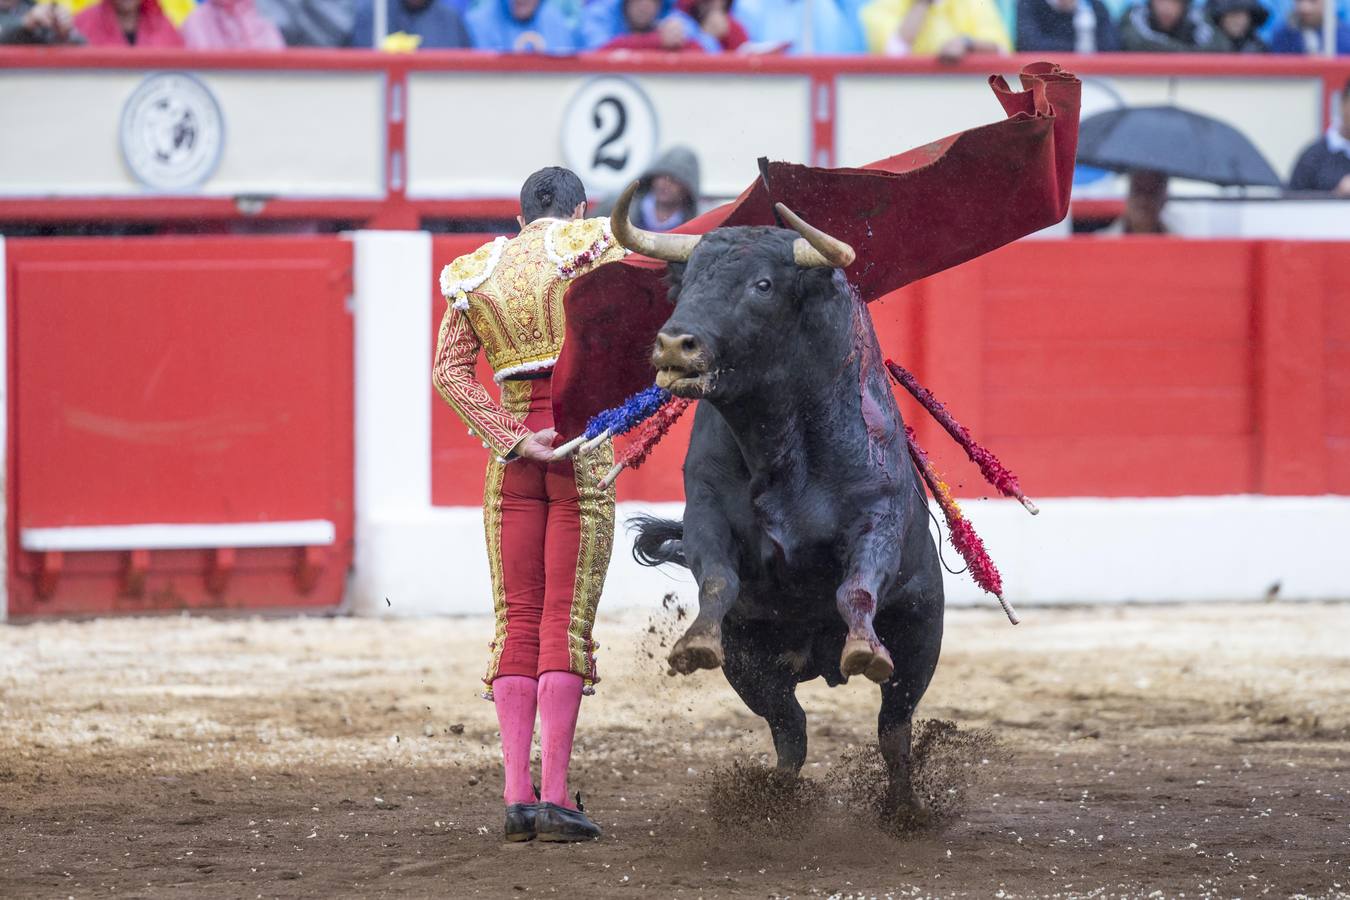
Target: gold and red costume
549	526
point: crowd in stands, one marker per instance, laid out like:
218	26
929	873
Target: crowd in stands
948	29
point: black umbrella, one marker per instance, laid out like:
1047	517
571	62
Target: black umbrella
1173	141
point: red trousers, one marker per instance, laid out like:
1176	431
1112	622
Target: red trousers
550	530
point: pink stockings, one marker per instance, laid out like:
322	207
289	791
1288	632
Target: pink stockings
557	695
514	697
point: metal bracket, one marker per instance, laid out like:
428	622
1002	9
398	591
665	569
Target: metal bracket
50	565
312	561
220	570
133	580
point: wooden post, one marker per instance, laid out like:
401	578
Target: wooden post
1290	367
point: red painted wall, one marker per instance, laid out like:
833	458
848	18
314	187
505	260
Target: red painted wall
1096	367
180	381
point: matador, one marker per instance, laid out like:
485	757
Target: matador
549	523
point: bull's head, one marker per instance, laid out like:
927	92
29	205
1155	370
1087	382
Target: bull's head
740	300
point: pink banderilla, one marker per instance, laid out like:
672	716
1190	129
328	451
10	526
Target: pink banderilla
963	536
994	472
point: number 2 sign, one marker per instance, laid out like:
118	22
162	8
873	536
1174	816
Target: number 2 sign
609	134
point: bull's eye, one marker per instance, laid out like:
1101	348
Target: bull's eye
764	285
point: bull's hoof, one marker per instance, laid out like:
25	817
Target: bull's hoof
694	651
860	657
904	810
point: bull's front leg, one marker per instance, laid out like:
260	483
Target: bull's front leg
701	645
874	560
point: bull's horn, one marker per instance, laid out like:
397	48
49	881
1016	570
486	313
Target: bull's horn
815	248
670	247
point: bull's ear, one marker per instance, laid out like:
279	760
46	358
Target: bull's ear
674	280
815	284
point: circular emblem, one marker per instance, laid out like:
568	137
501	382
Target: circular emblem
609	133
172	132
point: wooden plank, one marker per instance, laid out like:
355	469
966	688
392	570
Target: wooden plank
1290	379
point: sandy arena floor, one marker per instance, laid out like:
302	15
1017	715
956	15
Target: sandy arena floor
1160	752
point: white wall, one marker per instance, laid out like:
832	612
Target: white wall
1078	550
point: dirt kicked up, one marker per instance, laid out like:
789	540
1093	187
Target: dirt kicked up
1138	751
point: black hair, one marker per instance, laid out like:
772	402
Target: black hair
552	192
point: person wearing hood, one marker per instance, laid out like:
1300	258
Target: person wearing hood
127	23
429	24
641	25
835	29
1166	26
1237	22
667	194
1302	31
231	25
522	26
1066	26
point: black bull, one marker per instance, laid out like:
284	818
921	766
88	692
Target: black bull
805	526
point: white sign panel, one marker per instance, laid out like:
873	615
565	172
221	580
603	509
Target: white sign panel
609	133
122	133
479	134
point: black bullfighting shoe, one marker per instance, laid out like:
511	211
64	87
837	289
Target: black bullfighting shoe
520	818
562	825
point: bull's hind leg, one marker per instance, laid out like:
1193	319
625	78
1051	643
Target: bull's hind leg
764	679
916	637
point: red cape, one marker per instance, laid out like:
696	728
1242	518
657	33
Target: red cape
907	216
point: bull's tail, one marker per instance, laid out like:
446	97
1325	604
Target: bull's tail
658	541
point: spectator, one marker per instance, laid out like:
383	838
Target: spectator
778	24
231	25
425	24
127	23
1236	23
713	17
1302	32
522	26
1325	165
312	23
176	10
26	22
1070	26
1145	206
668	191
948	29
610	25
1166	26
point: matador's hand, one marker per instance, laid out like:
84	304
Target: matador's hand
537	445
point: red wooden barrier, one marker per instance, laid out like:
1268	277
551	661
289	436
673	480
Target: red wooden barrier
1098	367
204	385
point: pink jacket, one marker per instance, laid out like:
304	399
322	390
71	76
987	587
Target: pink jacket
99	25
231	25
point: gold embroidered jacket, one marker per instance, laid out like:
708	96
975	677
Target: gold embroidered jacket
507	298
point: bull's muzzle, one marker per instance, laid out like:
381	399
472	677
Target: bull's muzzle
681	364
